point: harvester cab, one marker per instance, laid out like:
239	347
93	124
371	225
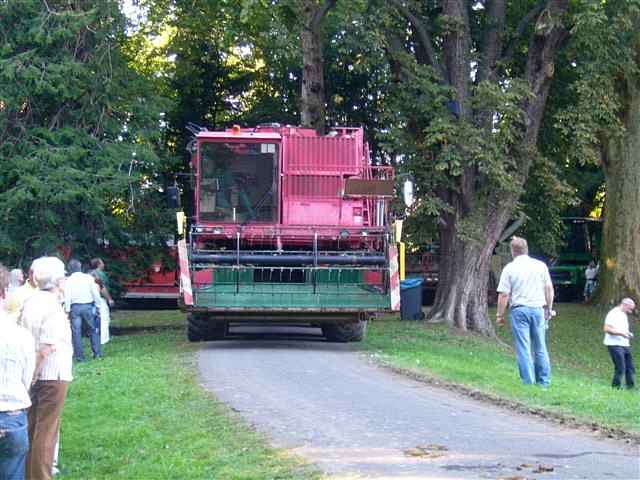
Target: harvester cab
289	227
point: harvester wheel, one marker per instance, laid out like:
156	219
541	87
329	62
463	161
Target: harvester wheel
201	328
344	332
194	329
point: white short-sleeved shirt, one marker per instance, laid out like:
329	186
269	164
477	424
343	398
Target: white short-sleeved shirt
524	279
17	362
44	317
617	319
80	288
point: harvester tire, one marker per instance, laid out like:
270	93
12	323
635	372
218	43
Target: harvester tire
194	330
201	328
344	332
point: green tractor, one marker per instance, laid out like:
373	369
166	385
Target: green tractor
581	246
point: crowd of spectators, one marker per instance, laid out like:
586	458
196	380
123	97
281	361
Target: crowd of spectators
42	320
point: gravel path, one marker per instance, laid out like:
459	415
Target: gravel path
353	419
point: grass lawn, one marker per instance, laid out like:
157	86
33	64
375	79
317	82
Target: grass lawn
140	414
581	366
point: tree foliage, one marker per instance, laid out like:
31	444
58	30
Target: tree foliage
78	130
604	126
471	80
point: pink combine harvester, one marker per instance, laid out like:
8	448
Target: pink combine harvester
289	227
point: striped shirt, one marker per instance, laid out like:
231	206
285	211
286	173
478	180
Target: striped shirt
44	317
17	362
524	279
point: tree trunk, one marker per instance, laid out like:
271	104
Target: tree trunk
461	297
312	110
464	271
620	258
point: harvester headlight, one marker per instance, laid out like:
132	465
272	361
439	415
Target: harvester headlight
344	234
218	230
365	233
199	229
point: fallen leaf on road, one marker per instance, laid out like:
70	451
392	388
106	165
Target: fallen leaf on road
543	469
432	450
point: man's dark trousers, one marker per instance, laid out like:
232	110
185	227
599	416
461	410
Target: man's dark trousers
622	364
84	313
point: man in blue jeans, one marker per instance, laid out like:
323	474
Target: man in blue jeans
17	363
525	285
81	296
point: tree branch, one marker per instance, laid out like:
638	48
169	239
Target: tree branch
492	40
540	69
522	26
423	35
321	12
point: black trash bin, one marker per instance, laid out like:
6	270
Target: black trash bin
411	299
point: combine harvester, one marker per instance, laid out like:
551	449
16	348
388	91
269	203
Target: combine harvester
289	227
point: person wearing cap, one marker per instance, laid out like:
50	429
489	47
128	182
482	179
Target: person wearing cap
525	285
617	338
81	296
43	315
17	363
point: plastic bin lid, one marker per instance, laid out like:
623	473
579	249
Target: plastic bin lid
410	283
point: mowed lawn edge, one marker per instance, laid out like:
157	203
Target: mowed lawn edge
140	414
580	390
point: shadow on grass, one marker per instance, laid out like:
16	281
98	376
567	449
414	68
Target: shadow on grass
140	330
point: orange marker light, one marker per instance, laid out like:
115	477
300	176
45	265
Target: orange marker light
235	129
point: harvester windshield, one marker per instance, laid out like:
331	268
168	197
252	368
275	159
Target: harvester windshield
237	182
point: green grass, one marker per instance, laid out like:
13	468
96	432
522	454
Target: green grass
147	318
581	366
140	414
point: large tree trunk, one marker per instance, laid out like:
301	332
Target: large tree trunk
312	110
620	258
461	297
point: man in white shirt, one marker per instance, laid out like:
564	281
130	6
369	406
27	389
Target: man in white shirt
617	339
17	363
43	315
525	284
81	295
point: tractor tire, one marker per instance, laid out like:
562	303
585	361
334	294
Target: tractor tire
345	332
194	329
201	328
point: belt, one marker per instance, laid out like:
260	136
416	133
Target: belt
14	412
513	307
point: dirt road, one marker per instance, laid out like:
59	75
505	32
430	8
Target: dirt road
328	403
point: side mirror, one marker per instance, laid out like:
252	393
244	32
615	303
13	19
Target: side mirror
407	193
173	196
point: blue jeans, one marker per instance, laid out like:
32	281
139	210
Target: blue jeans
14	444
622	365
528	327
84	313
